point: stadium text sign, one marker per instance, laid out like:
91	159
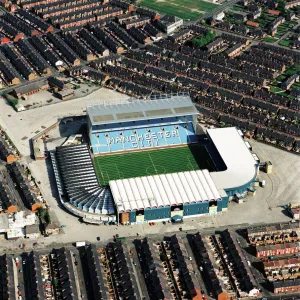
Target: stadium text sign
150	138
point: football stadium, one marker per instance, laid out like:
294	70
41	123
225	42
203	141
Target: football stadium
145	162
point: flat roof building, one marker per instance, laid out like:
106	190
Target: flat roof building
32	231
30	88
65	94
169	23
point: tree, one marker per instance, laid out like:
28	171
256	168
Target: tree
42	212
281	5
47	217
163	256
204	39
13	102
55	282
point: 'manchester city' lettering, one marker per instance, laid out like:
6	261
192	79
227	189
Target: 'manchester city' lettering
150	138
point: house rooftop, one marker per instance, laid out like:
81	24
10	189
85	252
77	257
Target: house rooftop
32	229
3	222
29	87
167	19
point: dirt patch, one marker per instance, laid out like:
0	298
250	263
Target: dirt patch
197	10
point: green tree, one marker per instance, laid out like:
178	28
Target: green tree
163	257
14	102
42	212
281	5
55	282
47	217
204	39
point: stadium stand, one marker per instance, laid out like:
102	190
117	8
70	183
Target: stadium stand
142	125
77	181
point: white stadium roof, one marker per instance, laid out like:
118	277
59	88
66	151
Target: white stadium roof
163	190
241	166
130	110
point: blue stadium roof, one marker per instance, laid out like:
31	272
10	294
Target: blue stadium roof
132	110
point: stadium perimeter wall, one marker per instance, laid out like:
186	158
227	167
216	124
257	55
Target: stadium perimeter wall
174	213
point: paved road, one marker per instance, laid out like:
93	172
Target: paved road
220	31
223	7
134	258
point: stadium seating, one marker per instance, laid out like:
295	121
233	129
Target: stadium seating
77	181
143	134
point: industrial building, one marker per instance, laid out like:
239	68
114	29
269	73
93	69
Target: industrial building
30	89
141	125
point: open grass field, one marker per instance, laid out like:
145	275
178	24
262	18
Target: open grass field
145	163
185	9
269	39
284	43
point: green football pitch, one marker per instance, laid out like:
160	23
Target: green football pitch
145	163
185	9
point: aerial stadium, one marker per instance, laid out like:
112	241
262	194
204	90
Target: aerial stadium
147	161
